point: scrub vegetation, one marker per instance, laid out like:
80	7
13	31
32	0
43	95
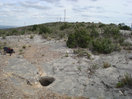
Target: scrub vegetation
97	37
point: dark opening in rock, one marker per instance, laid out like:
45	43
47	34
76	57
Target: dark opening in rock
45	81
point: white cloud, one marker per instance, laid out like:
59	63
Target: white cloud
40	11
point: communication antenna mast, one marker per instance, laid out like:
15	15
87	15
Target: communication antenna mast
60	19
64	15
131	26
24	23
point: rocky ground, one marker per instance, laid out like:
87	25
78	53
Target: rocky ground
74	77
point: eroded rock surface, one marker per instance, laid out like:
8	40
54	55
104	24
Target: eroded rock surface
74	76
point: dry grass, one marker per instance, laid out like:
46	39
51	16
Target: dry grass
82	53
106	65
125	81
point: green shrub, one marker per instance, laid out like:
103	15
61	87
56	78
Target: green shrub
111	30
78	25
71	42
125	28
120	39
14	32
122	26
103	45
34	28
92	26
119	85
101	25
2	32
94	33
64	26
82	38
22	32
79	39
44	29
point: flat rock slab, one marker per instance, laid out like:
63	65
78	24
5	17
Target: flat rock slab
22	69
73	76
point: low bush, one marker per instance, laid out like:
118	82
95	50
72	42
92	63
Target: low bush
111	31
60	35
82	52
106	65
125	81
101	25
64	26
120	39
122	26
94	33
119	85
103	45
79	25
78	39
24	47
91	70
2	33
34	28
126	44
91	39
45	36
44	29
22	32
91	26
31	36
14	32
82	38
71	42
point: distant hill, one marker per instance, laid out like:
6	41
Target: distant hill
6	27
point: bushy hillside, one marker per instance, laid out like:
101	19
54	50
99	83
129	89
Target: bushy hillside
98	37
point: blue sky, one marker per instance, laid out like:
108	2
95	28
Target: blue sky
27	12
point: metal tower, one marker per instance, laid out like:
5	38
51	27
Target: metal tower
64	15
